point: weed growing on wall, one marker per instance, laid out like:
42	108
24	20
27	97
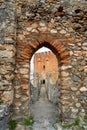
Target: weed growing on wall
29	121
1	101
12	125
76	124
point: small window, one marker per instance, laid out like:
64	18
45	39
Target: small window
39	59
43	66
43	81
46	59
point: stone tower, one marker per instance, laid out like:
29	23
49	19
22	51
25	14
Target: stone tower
45	64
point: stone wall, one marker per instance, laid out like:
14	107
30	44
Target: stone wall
61	26
4	112
34	93
7	51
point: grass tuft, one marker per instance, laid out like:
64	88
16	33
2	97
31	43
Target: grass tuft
12	125
29	121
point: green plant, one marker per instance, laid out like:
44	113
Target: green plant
75	123
1	101
12	124
68	125
58	121
85	118
29	121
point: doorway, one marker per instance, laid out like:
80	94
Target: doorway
45	86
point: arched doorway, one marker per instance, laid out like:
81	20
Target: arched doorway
26	49
44	89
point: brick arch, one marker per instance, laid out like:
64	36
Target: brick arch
54	43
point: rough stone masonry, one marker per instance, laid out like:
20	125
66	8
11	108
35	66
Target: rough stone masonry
26	26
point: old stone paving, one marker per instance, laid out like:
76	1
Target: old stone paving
44	112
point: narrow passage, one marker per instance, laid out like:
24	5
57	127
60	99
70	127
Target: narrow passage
45	113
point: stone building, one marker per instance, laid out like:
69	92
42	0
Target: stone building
45	64
60	25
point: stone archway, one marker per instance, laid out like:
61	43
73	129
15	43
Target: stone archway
25	50
59	33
